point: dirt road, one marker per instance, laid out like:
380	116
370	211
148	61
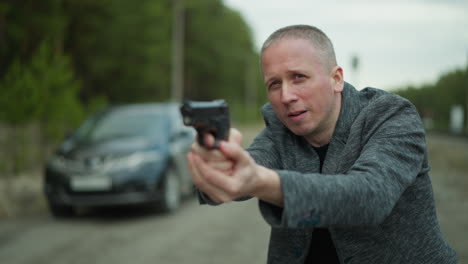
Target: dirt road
232	233
449	175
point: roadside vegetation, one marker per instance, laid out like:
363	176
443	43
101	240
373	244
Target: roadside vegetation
434	101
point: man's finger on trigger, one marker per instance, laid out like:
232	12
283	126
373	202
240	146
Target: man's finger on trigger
209	140
200	150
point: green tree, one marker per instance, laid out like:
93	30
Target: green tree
220	58
121	48
218	48
24	24
435	100
43	90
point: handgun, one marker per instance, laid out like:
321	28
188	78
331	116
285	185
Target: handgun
207	117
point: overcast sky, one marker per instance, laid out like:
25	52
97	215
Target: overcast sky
398	42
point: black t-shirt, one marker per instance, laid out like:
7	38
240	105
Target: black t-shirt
322	249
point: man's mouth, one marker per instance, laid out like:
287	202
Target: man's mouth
295	113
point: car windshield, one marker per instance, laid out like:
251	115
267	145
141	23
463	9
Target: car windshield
123	123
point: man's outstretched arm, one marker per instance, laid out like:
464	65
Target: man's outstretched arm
244	178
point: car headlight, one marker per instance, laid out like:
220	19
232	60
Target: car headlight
104	163
132	161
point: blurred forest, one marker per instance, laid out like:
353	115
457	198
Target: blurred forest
61	60
434	101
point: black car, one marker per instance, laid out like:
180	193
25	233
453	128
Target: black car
129	154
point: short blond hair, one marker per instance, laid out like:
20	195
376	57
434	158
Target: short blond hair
314	35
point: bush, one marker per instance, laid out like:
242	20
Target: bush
43	90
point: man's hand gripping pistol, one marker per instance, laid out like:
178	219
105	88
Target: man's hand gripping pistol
207	117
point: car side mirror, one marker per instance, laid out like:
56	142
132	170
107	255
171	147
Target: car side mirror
180	134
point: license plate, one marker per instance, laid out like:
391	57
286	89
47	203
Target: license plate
88	184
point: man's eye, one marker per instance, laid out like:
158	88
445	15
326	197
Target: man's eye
299	76
273	84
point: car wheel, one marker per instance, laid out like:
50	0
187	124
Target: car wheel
171	191
61	211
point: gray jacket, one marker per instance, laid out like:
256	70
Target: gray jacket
374	193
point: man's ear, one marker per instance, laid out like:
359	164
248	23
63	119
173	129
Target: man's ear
337	79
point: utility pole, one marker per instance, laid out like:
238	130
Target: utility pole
355	70
466	91
178	30
250	93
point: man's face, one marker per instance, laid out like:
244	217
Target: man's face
305	95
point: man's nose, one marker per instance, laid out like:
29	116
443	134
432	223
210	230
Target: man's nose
288	94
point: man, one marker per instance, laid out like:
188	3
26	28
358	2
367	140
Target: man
341	175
